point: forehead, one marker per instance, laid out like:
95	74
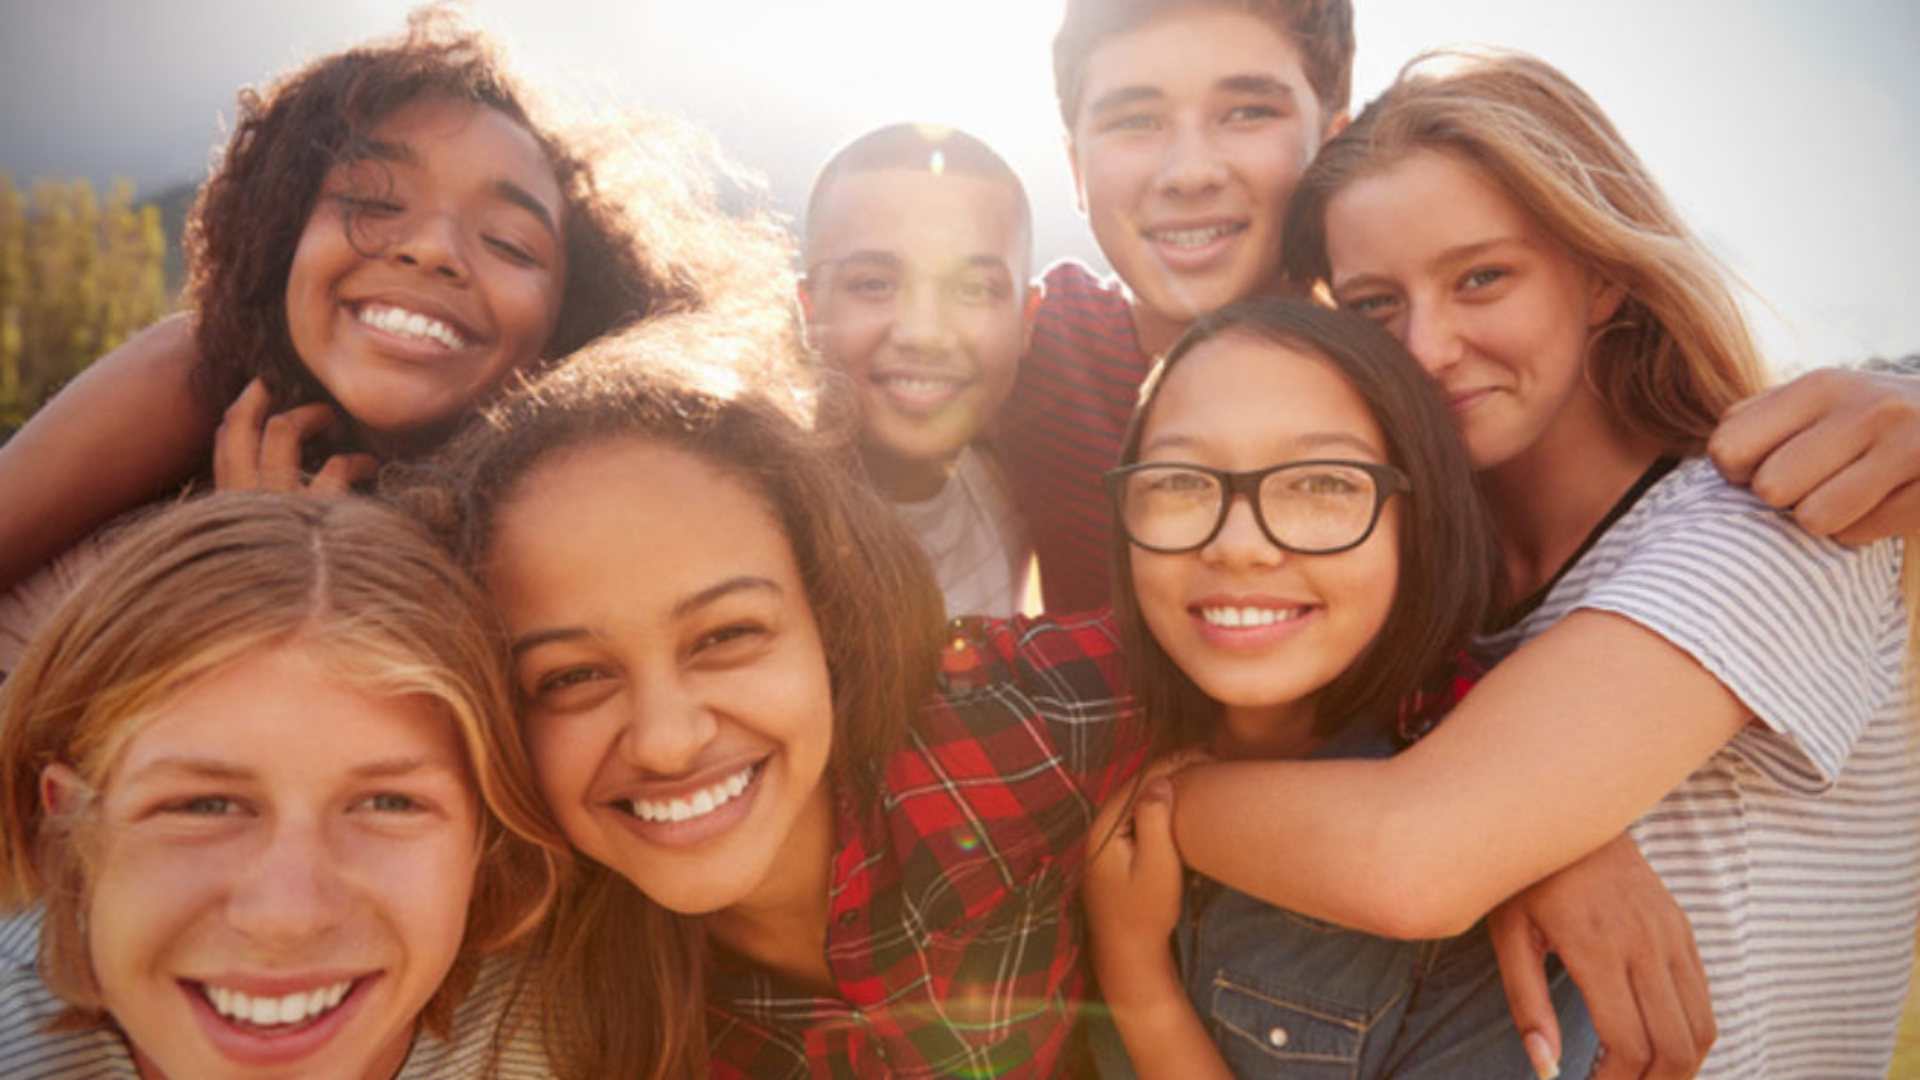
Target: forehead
626	525
1240	393
1193	50
286	710
463	140
917	215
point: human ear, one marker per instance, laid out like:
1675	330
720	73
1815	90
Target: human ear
1073	166
61	790
1030	313
1606	296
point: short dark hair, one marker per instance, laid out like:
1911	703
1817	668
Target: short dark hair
915	146
1323	30
1449	556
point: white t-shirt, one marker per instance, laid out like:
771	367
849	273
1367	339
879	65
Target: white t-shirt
1795	849
29	1052
975	538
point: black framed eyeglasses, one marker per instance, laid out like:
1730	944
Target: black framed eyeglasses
1314	507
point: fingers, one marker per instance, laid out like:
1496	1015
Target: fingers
341	472
1841	449
281	442
1897	514
1522	954
1751	430
1155	857
236	443
256	449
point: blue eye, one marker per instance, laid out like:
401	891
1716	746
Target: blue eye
1377	307
1481	278
204	806
389	802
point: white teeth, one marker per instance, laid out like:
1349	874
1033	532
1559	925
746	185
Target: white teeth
701	803
294	1008
922	387
395	320
1237	618
1193	238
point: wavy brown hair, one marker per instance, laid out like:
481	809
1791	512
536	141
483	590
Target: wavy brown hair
642	225
195	588
620	981
1449	556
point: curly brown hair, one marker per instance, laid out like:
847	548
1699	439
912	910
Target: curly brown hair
643	229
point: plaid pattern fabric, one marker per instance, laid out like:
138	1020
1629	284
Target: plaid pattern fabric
953	937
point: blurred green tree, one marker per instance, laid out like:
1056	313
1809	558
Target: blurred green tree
76	278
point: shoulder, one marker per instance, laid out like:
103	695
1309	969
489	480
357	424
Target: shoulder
1023	697
494	1035
28	1051
1074	293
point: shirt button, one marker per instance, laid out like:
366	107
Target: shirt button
1277	1037
846	918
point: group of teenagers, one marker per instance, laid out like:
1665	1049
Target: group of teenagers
576	658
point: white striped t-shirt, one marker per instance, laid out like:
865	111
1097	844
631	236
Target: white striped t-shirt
975	538
1796	848
29	1052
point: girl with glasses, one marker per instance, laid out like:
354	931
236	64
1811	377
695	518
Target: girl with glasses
1299	548
1685	663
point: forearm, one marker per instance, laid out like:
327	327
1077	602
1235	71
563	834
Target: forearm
1554	754
1163	1034
123	432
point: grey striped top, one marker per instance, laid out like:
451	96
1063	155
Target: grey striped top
28	1052
1796	848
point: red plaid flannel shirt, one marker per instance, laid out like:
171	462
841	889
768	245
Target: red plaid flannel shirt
954	939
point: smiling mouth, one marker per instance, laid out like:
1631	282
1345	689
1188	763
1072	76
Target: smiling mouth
1243	618
276	1015
695	806
1195	238
409	324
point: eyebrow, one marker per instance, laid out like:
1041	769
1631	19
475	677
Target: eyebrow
1121	97
205	768
685	607
1311	442
1251	83
504	190
1450	257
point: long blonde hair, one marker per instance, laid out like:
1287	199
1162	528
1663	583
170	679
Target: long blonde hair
203	584
1679	352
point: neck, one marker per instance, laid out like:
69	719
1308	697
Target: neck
1547	499
906	481
782	925
1269	732
1157	332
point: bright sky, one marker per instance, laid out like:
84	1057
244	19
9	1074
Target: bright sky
1786	131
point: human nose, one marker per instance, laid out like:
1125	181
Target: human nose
1191	163
667	727
1240	540
430	242
293	888
921	320
1433	337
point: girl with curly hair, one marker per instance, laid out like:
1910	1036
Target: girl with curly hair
392	232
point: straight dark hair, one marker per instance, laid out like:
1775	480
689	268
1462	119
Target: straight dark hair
1449	558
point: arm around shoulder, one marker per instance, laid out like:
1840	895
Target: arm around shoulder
1554	754
120	434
